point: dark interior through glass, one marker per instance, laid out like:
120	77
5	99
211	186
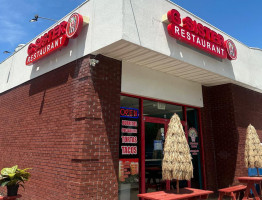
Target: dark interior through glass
161	110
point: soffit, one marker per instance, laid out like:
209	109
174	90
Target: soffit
128	52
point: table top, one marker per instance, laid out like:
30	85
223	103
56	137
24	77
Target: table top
247	179
10	198
184	193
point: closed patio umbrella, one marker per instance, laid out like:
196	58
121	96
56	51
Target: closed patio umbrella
253	149
177	161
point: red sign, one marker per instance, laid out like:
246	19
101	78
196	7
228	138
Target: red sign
55	38
129	150
231	50
74	26
128	130
129	112
129	123
129	139
128	144
200	36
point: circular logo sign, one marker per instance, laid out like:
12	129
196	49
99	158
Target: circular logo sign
193	134
74	25
231	50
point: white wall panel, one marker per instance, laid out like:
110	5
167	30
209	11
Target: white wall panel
145	82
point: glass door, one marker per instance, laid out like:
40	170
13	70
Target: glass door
154	130
143	122
154	136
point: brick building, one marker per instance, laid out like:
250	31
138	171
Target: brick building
90	118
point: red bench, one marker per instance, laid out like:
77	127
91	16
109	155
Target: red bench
231	191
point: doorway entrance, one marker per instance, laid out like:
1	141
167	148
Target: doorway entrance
143	125
154	131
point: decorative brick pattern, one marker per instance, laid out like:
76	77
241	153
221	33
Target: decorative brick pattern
65	125
228	110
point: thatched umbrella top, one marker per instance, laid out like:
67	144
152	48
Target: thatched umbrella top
177	161
253	149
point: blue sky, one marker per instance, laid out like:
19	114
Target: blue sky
241	19
15	15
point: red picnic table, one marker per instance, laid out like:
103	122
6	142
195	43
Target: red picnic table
10	198
184	193
250	181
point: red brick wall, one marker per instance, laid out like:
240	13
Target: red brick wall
228	109
248	110
65	125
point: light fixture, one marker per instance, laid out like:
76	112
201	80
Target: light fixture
93	62
36	19
20	46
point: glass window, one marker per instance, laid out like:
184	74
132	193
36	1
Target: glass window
161	110
129	102
128	152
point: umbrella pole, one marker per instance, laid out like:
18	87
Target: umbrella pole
259	184
177	186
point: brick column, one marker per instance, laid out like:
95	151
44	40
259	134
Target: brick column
96	127
228	110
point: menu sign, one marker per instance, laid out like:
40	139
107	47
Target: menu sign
128	132
128	152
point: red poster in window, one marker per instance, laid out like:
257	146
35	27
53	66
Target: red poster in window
128	170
